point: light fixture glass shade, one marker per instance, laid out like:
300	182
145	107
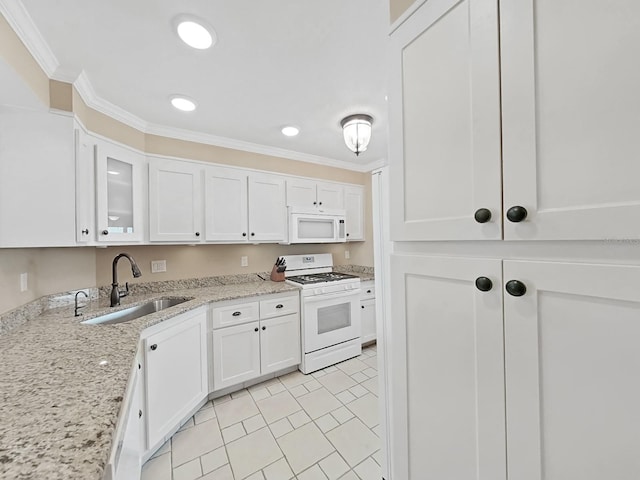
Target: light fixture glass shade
357	132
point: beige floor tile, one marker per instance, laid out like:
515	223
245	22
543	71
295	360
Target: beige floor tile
319	373
223	473
188	424
276	388
298	390
293	379
350	475
342	414
370	372
372	362
236	410
313	473
204	415
240	393
334	466
377	430
223	399
346	396
280	427
253	452
188	471
279	470
366	409
359	391
278	406
352	366
260	393
256	476
166	448
326	423
359	377
368	469
214	460
299	418
330	369
371	385
195	441
233	432
378	457
312	385
254	423
158	468
318	403
337	381
304	447
354	441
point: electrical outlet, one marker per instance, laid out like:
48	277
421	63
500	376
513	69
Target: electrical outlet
24	282
347	254
244	261
158	266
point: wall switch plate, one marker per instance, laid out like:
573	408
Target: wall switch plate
24	282
347	254
158	266
244	261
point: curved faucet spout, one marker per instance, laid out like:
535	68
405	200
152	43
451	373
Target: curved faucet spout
116	293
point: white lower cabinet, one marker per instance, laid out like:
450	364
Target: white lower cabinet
368	307
175	372
528	367
249	348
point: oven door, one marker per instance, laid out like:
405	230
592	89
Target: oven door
329	319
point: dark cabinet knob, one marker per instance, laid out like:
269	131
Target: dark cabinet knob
347	234
320	203
253	234
244	234
105	232
361	306
85	231
256	329
482	215
516	214
236	314
139	413
154	346
484	284
315	203
368	291
197	234
264	328
516	288
279	306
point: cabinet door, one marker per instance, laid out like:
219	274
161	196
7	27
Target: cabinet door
368	308
572	369
37	180
85	187
354	220
267	208
301	193
226	205
279	343
570	103
175	373
330	195
120	193
236	355
444	110
447	382
175	201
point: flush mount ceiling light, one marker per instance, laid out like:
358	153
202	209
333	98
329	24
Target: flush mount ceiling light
183	103
357	132
290	131
194	32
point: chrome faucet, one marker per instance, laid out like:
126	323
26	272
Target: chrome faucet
116	293
77	307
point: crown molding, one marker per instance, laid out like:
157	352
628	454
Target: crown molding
371	166
21	23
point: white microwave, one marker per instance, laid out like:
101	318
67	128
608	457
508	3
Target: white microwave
316	226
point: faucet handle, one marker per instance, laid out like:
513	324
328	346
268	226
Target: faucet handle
125	292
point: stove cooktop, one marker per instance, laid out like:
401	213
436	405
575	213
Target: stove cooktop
320	278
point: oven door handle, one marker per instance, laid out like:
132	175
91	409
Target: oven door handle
330	296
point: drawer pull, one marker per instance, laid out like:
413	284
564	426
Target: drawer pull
236	314
264	328
279	305
368	291
255	329
154	346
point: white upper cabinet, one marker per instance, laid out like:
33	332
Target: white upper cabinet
570	103
175	201
354	218
226	215
85	188
445	123
37	179
306	193
267	208
121	191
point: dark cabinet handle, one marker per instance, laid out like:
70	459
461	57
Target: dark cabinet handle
516	288
516	214
105	232
154	346
256	329
264	328
484	284
197	234
244	234
236	314
85	231
139	413
482	215
280	305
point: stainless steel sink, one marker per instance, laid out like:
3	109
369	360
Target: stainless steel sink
138	311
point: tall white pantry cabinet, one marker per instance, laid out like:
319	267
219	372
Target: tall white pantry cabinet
515	218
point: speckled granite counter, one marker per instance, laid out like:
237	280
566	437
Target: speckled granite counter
59	406
365	273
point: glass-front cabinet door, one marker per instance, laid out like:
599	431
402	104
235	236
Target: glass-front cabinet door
119	194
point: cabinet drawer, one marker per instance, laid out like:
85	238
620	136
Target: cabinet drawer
235	314
277	307
368	290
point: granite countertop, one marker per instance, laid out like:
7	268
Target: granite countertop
365	273
60	401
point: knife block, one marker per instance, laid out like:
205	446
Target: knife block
276	276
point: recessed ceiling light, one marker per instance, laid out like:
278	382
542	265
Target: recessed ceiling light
290	131
194	32
183	103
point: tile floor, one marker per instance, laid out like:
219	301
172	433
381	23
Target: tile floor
306	427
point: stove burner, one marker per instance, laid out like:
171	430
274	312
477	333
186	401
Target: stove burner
320	278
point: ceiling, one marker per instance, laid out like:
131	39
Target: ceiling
278	62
